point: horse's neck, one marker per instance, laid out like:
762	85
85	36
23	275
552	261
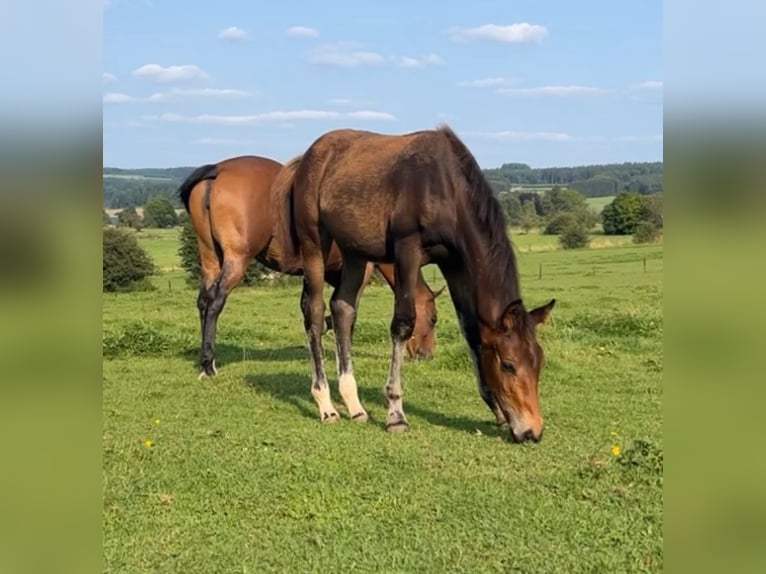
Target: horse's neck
481	285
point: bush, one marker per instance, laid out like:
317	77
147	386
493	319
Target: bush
126	265
560	222
129	217
646	232
574	237
159	212
188	251
622	216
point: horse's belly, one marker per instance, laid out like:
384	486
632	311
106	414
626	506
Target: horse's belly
357	233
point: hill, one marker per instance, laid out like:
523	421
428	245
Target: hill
133	187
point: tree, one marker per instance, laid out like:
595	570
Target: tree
646	232
651	210
529	217
511	208
556	200
159	212
129	217
574	237
622	216
559	222
188	251
126	264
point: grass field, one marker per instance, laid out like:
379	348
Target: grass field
236	474
598	203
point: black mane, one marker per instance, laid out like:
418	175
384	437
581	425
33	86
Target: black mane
500	266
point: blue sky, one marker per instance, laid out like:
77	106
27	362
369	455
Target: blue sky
548	83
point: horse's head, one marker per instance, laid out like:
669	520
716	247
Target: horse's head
510	360
423	340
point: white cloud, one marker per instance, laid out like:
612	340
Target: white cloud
302	32
175	94
279	116
552	91
650	85
170	73
344	54
427	60
512	33
486	83
511	136
117	98
109	77
232	33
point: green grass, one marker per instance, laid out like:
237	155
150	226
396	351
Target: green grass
242	477
536	241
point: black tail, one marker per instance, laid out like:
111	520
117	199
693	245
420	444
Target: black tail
208	171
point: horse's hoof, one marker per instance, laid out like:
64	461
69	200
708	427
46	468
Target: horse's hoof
330	417
360	417
208	370
397	427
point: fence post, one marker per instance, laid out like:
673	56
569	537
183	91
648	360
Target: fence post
540	272
644	263
170	288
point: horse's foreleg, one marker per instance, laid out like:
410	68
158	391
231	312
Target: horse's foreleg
343	305
402	324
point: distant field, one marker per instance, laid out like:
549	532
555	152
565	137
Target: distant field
598	203
236	474
139	177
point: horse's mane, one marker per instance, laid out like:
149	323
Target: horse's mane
500	265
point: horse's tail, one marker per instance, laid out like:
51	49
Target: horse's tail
202	173
282	200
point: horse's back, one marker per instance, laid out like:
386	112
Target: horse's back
240	202
371	185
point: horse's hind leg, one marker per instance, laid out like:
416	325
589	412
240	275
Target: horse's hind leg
343	304
210	270
231	272
406	268
312	305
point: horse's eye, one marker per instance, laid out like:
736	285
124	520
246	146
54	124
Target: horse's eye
508	367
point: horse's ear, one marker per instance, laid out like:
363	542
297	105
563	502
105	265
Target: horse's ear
540	315
511	316
439	292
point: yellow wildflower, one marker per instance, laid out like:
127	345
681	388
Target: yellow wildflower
148	443
613	433
156	421
616	450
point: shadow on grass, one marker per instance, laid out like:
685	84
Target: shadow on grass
227	354
294	389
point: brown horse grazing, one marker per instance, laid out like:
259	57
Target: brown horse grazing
412	199
231	208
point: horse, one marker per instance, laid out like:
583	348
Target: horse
413	199
230	205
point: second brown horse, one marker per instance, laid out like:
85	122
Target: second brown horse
231	207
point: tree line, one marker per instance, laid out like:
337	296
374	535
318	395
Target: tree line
134	187
591	180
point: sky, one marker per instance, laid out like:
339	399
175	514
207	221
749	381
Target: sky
542	82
